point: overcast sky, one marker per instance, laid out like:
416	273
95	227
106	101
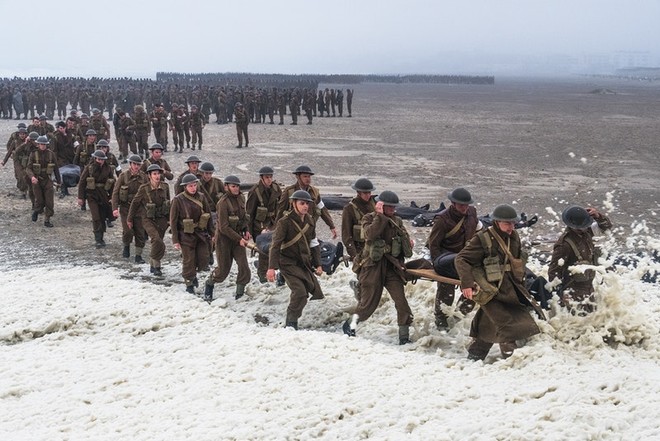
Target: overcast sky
141	37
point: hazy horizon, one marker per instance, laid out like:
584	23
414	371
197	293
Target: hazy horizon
509	37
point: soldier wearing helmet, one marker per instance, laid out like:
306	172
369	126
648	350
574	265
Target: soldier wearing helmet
176	122
452	229
317	209
99	123
84	150
295	252
196	122
387	244
126	136
37	126
351	218
42	165
261	207
192	230
127	186
151	205
95	187
142	126
16	140
21	157
62	144
242	121
157	158
231	239
576	247
495	261
193	168
213	188
159	124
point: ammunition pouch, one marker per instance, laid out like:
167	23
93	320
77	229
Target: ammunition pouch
164	209
396	246
204	220
91	183
123	193
233	222
108	184
262	214
83	156
406	247
486	290
24	161
188	226
151	210
586	276
317	212
518	269
377	249
36	168
357	233
493	269
50	168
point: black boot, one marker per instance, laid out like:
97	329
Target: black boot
47	223
98	238
404	335
35	216
156	271
190	287
240	291
126	253
346	327
293	325
139	259
208	292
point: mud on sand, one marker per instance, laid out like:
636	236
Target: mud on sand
535	143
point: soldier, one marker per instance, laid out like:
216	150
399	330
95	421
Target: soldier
192	229
193	168
42	164
231	238
62	144
317	208
351	224
210	186
576	247
21	156
494	260
37	126
100	124
19	170
83	128
197	125
349	101
159	124
124	191
176	127
452	229
242	121
281	105
294	103
309	104
186	124
157	158
151	205
261	207
85	149
96	181
319	103
387	244
295	252
142	128
126	137
339	99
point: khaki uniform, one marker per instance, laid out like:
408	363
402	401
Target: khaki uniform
231	225
196	126
386	272
291	254
351	225
152	206
123	194
41	165
316	208
167	170
195	239
261	207
505	318
142	128
213	189
242	121
96	184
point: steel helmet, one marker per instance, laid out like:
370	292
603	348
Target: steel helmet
303	169
156	146
99	155
231	179
153	168
33	136
301	195
576	217
388	198
90	132
189	179
207	167
135	158
266	170
192	158
102	143
460	196
43	140
363	184
505	213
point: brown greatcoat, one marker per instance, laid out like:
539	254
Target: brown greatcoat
213	189
296	260
37	167
386	273
97	198
562	250
260	196
162	163
506	317
126	188
154	226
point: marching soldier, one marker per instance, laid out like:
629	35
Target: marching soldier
157	158
242	121
151	205
231	237
261	207
193	168
192	229
125	190
387	244
295	252
42	164
197	126
142	127
96	181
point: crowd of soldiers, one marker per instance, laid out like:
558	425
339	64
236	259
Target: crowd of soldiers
212	221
